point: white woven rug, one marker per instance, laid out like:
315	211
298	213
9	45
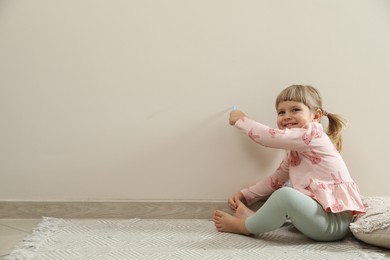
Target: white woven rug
174	239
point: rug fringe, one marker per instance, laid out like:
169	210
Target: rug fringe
27	249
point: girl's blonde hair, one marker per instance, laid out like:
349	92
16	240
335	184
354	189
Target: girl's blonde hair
311	97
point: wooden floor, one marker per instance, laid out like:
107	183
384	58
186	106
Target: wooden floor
12	232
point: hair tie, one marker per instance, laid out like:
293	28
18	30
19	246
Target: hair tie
325	113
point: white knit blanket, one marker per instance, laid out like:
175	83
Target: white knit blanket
175	239
377	216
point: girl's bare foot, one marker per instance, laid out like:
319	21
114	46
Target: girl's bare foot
242	211
225	222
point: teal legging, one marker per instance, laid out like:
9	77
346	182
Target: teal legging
306	215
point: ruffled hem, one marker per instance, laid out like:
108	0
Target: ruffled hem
337	197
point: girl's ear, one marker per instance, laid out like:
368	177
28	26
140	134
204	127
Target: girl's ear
317	115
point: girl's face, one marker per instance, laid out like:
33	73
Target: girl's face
292	114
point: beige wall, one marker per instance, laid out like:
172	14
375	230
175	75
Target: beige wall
123	99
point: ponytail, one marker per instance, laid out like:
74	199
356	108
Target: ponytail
335	128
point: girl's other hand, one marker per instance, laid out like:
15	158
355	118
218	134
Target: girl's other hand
234	199
235	115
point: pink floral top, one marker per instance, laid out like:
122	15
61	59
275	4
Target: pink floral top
312	165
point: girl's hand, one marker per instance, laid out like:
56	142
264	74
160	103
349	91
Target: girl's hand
234	199
235	115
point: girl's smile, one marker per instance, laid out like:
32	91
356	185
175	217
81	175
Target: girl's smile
292	114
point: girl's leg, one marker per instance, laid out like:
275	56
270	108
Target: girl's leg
305	213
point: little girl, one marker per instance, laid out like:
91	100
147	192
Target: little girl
322	198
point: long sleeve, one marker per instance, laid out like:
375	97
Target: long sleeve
265	187
296	139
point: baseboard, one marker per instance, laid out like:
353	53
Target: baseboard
111	209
